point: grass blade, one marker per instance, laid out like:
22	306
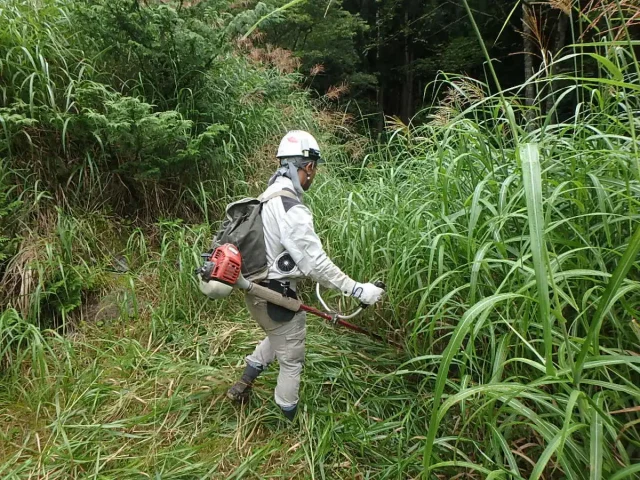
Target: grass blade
532	179
606	301
452	349
627	472
597	441
549	451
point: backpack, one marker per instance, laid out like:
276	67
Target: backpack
243	228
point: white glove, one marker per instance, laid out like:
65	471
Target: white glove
367	293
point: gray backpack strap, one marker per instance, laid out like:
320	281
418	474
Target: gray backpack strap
281	193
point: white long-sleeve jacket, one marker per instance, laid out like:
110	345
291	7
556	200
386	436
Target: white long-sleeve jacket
288	226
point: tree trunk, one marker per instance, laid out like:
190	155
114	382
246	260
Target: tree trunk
561	34
530	91
407	87
380	86
380	95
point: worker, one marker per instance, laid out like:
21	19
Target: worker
294	251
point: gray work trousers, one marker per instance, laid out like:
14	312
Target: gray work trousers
285	341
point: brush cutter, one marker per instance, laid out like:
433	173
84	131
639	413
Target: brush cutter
221	272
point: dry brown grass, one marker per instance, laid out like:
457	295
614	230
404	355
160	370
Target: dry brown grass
562	5
267	55
317	69
599	10
20	278
462	93
335	92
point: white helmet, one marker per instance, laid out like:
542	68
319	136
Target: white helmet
298	143
215	290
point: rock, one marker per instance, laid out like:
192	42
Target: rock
113	306
120	264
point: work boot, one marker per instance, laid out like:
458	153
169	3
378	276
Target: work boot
241	391
290	414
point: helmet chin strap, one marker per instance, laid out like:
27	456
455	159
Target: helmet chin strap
289	170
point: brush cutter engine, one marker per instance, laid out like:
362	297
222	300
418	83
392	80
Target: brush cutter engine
220	271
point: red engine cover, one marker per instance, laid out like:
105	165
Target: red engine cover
227	260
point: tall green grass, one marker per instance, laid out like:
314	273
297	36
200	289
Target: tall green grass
512	266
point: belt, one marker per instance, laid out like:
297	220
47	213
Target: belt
284	288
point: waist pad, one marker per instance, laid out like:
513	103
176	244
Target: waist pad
276	312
